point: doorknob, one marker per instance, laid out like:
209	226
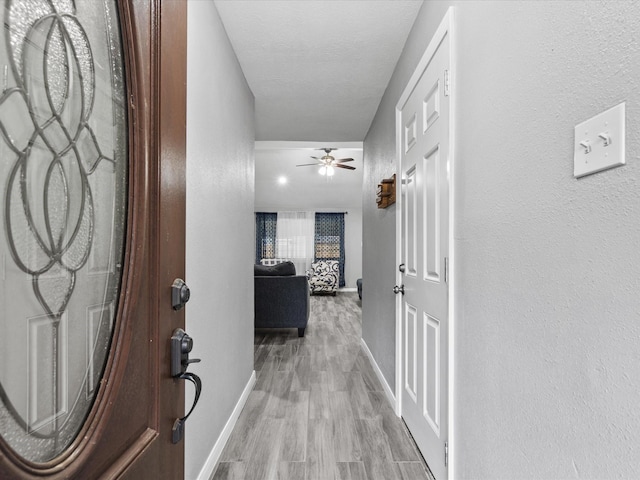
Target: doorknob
398	289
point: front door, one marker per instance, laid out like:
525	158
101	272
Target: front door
92	219
423	124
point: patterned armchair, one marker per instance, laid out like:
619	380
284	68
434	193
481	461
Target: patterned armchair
324	276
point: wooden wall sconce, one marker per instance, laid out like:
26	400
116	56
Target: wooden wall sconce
386	193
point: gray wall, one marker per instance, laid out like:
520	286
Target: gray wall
220	223
548	325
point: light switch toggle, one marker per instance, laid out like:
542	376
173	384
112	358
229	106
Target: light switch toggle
606	139
594	147
586	145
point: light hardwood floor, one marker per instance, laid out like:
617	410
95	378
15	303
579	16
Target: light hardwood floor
318	411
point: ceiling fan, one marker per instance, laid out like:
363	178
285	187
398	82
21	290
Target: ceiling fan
328	162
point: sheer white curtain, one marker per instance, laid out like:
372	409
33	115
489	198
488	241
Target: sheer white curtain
294	238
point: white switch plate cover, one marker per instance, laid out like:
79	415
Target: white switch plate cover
610	123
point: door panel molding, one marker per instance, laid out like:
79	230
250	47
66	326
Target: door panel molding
431	210
431	107
410	199
411	352
431	371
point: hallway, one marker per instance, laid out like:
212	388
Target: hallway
317	411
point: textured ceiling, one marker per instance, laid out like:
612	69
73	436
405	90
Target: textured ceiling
305	188
318	69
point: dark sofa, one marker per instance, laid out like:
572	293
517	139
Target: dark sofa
281	297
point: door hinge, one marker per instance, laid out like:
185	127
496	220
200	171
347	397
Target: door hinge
446	454
447	86
446	269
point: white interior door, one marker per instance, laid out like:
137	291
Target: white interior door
423	123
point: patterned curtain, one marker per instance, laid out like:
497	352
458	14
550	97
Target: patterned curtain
329	239
265	235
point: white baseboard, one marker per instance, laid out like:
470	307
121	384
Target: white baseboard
214	456
347	289
387	390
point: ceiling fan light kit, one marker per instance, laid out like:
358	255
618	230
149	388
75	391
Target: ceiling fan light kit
326	170
328	163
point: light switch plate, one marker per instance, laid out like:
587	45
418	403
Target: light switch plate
591	152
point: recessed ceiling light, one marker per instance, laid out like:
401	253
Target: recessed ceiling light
282	180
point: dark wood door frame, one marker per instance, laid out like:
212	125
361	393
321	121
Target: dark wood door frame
127	433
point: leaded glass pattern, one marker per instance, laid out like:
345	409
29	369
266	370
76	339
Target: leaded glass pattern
63	171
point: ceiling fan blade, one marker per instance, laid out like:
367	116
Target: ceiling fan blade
309	164
342	160
339	165
315	158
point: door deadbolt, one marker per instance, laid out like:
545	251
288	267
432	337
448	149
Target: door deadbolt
402	267
180	294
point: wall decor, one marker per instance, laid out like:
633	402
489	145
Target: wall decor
386	192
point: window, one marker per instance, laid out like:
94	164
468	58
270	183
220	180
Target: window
295	239
329	240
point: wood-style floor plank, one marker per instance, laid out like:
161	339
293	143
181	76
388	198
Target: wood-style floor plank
351	471
413	470
263	457
345	434
292	471
376	453
318	411
294	443
230	471
358	395
321	461
240	442
260	354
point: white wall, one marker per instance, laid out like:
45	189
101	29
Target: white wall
352	246
548	326
220	223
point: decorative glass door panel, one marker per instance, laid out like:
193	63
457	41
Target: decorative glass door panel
64	189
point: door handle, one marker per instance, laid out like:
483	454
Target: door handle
398	289
181	346
177	432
